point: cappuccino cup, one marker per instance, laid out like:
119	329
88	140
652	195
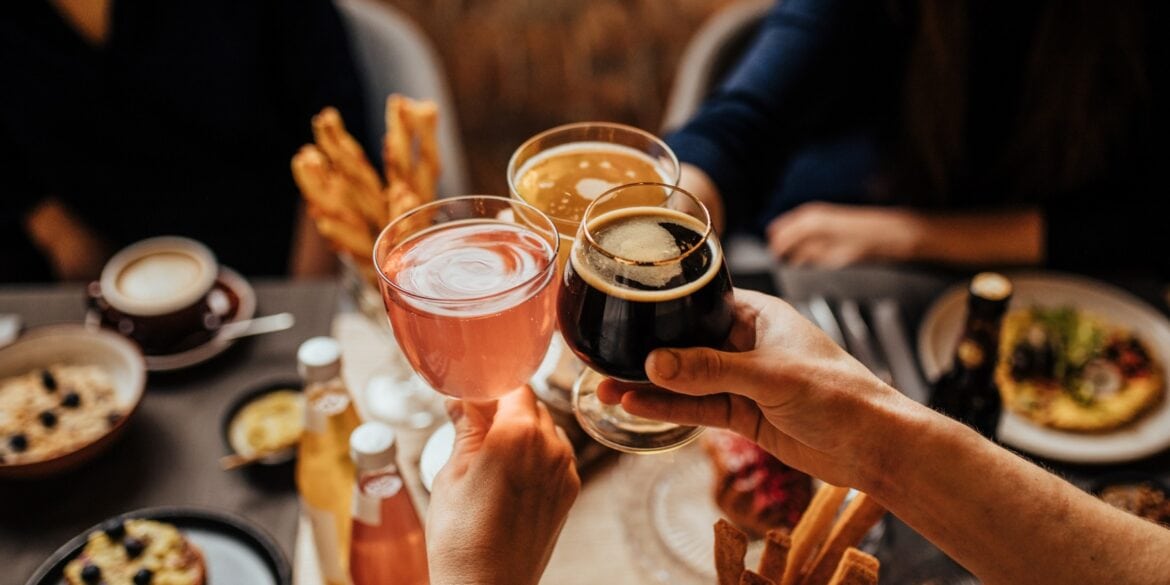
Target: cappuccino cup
163	293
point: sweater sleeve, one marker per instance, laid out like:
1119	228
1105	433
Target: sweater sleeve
800	76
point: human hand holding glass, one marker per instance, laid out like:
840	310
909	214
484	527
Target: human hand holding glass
641	276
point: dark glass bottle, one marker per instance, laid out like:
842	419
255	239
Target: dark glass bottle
968	392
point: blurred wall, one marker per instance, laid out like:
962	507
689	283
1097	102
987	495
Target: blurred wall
521	66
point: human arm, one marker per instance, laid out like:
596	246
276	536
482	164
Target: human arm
785	385
73	250
813	66
311	256
832	235
499	504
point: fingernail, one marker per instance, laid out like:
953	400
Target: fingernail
666	363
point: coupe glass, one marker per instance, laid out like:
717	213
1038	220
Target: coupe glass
645	271
466	284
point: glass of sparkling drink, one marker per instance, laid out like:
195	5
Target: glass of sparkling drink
562	170
466	284
645	271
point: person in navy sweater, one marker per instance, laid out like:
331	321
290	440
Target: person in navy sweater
943	131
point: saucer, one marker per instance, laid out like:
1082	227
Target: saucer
242	289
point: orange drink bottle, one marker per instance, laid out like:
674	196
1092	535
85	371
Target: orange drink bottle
325	473
388	545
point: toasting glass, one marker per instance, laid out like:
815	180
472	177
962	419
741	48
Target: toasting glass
466	284
645	271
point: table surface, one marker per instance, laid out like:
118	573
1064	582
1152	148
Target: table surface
168	457
169	454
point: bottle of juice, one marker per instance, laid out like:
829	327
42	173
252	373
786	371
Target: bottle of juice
325	473
388	545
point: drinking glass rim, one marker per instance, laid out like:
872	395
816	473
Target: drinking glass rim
513	167
707	231
542	273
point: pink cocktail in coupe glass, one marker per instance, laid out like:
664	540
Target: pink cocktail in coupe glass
466	283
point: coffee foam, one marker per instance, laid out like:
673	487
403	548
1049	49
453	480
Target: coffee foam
158	276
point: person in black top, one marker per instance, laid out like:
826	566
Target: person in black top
125	119
989	132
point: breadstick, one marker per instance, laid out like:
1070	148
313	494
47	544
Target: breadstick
812	529
750	578
730	547
856	568
859	517
777	543
348	158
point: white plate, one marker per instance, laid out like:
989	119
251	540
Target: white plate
943	324
216	345
436	453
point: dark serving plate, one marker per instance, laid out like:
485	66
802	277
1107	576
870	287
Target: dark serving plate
241	400
234	549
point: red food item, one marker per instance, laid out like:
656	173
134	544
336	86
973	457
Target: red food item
756	491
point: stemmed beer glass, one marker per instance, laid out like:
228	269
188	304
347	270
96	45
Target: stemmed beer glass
466	284
645	271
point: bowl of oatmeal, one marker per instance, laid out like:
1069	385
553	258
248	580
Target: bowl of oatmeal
66	393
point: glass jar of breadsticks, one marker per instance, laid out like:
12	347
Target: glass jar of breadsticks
349	202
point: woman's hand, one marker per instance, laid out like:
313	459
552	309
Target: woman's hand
831	235
783	384
498	505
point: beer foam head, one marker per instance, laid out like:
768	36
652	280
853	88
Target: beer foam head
640	239
638	253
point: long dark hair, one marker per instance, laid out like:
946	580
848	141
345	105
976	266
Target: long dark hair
1087	90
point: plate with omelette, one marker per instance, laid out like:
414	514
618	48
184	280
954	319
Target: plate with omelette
1082	367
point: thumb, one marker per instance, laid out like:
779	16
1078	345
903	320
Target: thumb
471	422
701	371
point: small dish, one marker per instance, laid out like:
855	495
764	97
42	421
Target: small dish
77	345
435	454
232	437
234	549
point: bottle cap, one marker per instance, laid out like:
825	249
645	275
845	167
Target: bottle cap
991	286
371	446
319	359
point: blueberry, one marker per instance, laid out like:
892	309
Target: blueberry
91	574
113	417
134	547
143	577
48	381
71	400
115	530
18	442
48	419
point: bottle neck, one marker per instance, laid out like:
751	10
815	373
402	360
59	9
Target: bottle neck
978	349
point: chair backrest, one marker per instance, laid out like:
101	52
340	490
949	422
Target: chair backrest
710	56
394	56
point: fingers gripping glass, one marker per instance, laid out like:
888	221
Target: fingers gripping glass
645	272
